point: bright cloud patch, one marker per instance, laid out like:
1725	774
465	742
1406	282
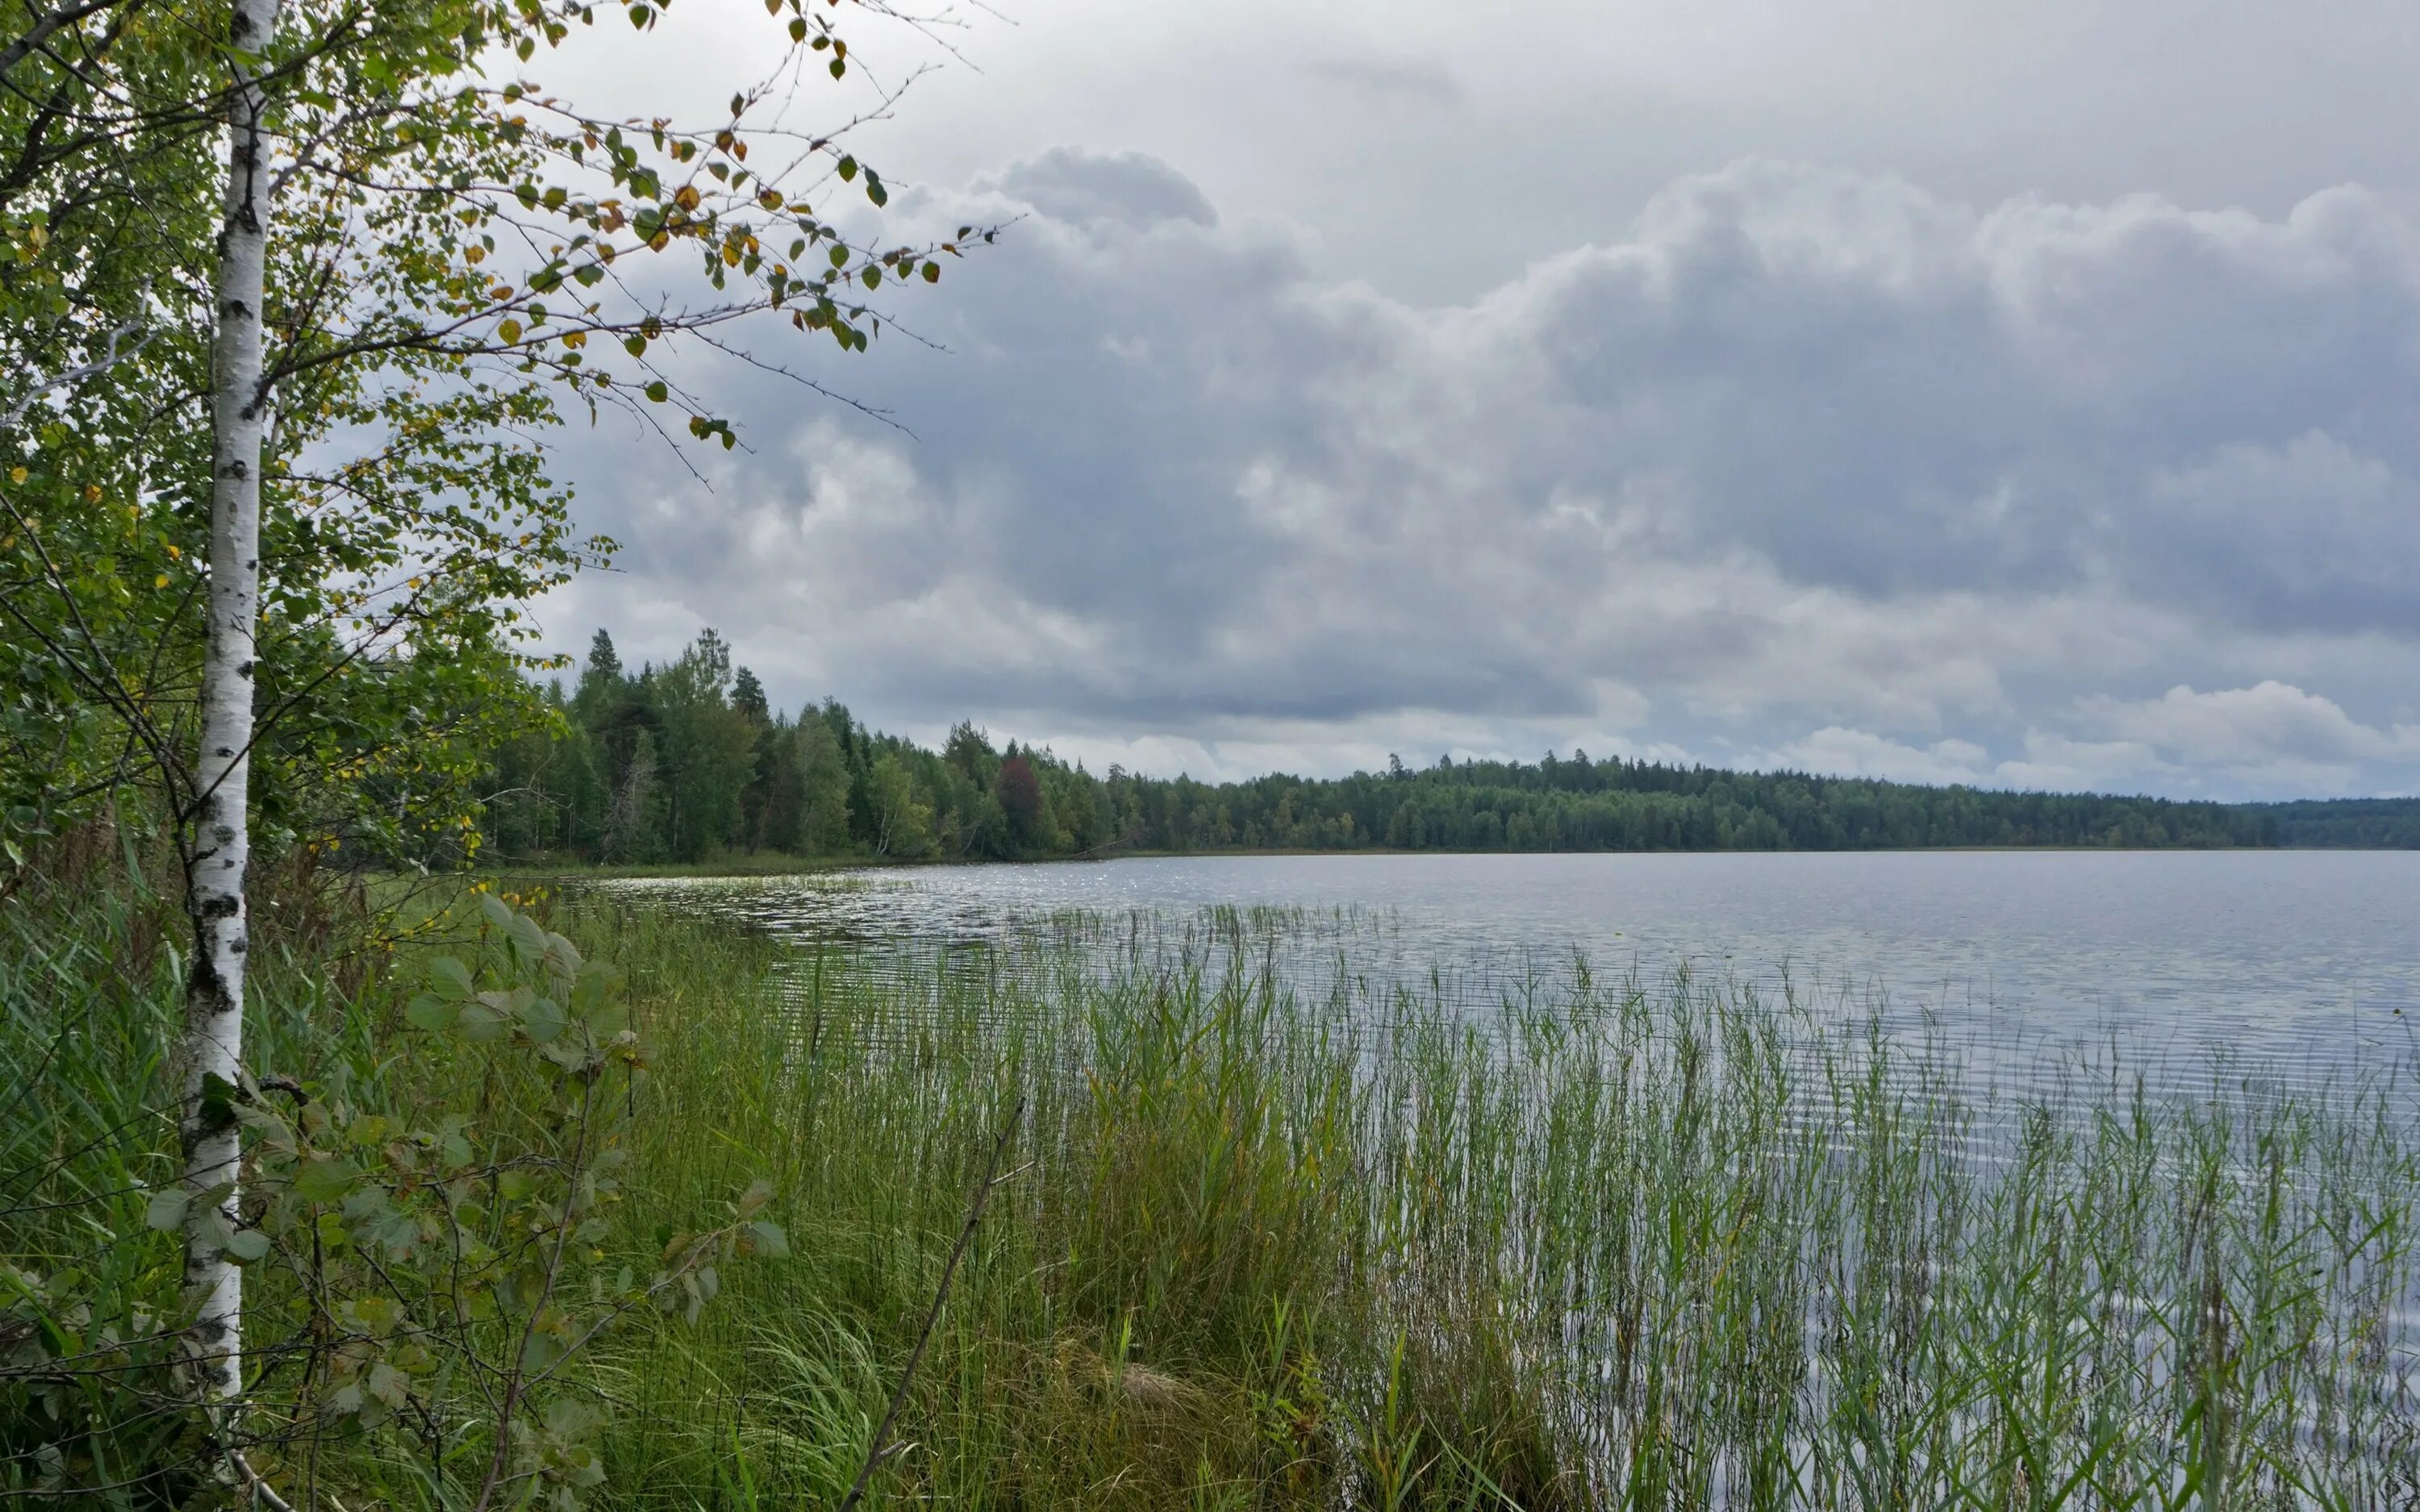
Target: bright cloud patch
2272	731
1861	753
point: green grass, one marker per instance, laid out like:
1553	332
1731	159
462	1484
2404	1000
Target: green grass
1612	1246
1616	1247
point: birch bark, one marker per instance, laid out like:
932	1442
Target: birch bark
212	1047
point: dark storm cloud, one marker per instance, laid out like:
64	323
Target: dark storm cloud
1809	466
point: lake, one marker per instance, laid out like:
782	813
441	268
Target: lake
2290	964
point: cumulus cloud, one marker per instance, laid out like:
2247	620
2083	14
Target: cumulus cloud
1844	753
1132	188
2272	731
1810	465
2055	763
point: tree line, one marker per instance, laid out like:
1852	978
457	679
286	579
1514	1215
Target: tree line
2343	823
686	761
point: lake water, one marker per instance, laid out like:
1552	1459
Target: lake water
2294	965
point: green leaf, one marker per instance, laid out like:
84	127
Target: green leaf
166	1210
529	941
609	1021
323	1179
388	1384
635	344
771	1242
432	1012
640	16
218	1103
874	190
484	1022
847	169
545	1020
593	988
449	979
248	1245
657	392
212	1231
542	1352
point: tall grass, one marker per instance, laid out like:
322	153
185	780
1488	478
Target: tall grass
91	987
1271	1240
1601	1246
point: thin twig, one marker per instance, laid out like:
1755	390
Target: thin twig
874	1449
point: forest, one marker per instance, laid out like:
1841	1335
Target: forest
687	760
2343	823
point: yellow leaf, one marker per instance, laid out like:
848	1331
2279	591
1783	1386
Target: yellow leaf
16	474
160	581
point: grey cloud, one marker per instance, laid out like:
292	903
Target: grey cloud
1889	393
1129	188
1423	82
2309	534
1811	465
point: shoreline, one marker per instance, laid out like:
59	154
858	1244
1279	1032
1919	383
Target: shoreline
772	865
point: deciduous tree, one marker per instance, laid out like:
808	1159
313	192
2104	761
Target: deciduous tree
272	514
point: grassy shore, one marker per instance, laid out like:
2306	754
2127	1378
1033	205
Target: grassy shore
1605	1246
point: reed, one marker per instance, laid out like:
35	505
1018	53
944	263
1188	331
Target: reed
1598	1244
1271	1239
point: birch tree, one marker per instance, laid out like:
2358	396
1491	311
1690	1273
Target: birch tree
211	1056
420	261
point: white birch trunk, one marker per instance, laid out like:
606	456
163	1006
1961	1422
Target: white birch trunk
213	1049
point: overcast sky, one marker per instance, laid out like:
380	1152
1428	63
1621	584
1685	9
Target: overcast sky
2016	395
